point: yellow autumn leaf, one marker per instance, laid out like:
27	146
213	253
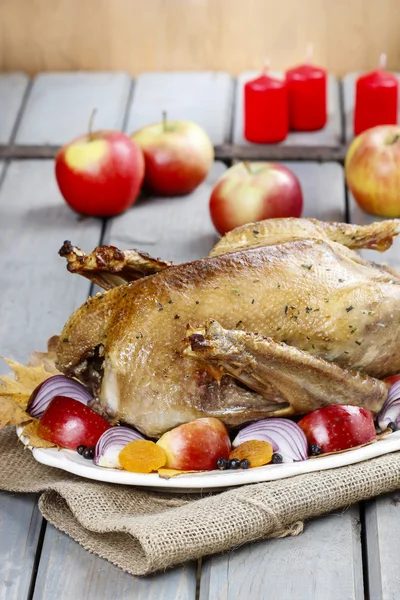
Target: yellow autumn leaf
11	413
20	387
166	473
30	431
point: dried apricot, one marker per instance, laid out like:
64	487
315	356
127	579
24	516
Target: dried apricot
257	452
142	456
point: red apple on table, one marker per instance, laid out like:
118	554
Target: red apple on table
196	445
178	156
69	424
338	427
250	192
373	170
100	174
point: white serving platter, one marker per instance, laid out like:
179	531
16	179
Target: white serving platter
72	462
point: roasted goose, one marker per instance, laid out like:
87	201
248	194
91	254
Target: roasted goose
283	317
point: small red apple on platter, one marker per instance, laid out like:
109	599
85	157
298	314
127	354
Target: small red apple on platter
100	173
372	169
69	424
250	192
338	427
178	156
196	446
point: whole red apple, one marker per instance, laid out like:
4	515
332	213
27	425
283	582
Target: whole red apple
338	427
100	174
196	445
250	192
178	156
372	169
69	423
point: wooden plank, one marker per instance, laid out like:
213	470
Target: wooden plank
226	152
203	97
323	189
37	295
382	527
20	523
323	562
330	136
178	229
68	571
382	523
12	90
60	104
349	99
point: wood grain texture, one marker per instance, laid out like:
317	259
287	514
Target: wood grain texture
228	35
12	89
204	97
67	571
38	294
323	189
349	99
330	136
177	229
324	562
20	523
60	104
382	524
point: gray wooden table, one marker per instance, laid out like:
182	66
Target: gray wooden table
349	555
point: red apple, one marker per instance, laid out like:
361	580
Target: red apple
178	156
100	174
373	170
391	380
196	446
69	424
338	427
250	192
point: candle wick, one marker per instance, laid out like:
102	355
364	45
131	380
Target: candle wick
309	52
267	65
382	61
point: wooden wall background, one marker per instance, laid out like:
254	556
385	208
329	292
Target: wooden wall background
232	35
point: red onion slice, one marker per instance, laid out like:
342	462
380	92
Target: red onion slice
284	435
58	385
111	443
390	411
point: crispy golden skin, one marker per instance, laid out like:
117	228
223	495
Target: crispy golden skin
311	293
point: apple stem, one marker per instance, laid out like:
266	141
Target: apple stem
164	120
90	126
247	166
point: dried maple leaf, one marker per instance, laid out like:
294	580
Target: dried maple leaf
165	473
11	413
20	387
30	431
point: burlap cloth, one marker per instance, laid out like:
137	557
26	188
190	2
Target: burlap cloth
143	532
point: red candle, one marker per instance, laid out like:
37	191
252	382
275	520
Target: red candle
265	110
376	99
307	96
